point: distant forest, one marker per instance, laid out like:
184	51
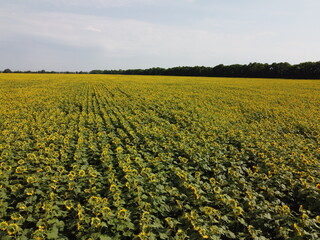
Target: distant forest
306	70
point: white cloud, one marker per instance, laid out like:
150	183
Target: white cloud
113	35
204	41
93	29
101	3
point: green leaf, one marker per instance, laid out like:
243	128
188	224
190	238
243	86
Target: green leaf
105	237
267	216
242	221
163	236
54	233
230	234
31	219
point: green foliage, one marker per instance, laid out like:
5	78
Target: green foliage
116	157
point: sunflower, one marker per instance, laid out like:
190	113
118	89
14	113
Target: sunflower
217	189
94	200
71	175
105	211
41	225
179	203
21	161
232	203
212	181
298	230
119	149
29	191
113	188
70	186
93	173
68	204
286	209
214	229
95	222
16	216
3	226
12	228
203	234
79	227
52	195
60	169
21	206
39	234
82	173
21	169
169	222
180	234
209	210
237	211
122	213
152	178
48	169
251	230
31	180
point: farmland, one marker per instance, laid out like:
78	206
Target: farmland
141	157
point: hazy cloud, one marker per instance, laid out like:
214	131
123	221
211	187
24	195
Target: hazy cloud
153	33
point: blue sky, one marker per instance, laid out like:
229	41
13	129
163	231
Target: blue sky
74	35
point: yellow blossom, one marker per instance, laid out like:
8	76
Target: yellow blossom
12	228
122	213
238	211
82	173
95	222
297	228
3	226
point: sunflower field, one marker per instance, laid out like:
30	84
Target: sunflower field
148	157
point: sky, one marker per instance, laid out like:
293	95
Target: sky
82	35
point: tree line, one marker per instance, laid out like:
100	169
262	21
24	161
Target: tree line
306	70
8	70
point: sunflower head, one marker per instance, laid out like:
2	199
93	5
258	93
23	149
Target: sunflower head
31	179
82	173
29	191
209	210
286	209
119	150
113	188
12	229
95	222
105	211
122	213
238	211
16	216
21	161
3	226
68	204
94	200
297	229
217	189
232	203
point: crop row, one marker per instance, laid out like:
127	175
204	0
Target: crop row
118	157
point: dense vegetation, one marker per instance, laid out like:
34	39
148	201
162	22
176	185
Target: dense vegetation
137	157
307	70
